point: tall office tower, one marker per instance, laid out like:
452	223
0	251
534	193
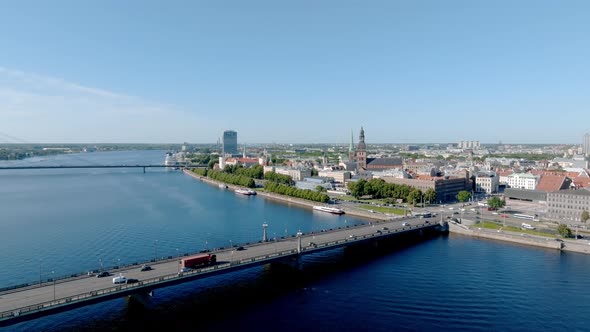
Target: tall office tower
230	142
587	145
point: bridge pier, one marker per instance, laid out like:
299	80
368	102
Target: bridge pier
144	170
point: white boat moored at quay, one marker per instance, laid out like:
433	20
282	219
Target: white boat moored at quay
332	210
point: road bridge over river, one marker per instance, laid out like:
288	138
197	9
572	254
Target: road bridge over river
144	166
30	302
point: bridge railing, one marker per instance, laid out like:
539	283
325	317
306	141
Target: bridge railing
142	284
200	271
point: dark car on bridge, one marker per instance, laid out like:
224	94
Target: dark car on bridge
146	268
131	281
103	274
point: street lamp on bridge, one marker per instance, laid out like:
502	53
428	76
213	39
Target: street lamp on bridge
178	255
299	241
53	277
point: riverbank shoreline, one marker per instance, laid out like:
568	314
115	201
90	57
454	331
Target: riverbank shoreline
525	239
291	200
457	229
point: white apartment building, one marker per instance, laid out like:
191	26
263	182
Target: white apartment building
522	181
488	182
394	173
338	176
469	144
297	174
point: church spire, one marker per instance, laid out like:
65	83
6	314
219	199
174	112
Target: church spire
362	135
351	147
361	152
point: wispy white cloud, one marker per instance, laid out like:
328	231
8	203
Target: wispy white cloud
39	108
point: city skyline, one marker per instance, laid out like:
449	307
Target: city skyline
307	72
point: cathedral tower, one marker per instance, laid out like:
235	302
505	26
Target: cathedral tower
361	152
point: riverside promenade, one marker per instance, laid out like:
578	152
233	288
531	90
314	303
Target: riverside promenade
578	246
297	201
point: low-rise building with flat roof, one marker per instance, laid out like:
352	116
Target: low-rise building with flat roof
568	205
338	176
446	188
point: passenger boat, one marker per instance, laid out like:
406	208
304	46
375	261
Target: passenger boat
170	160
245	192
332	210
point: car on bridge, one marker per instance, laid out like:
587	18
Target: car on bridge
119	280
405	224
131	281
103	274
145	268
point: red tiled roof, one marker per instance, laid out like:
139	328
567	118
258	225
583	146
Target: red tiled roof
551	182
582	182
247	160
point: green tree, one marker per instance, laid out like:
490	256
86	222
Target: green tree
564	230
320	188
212	162
496	203
414	196
357	188
430	195
585	216
463	196
279	178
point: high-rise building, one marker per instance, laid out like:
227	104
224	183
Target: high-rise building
587	145
230	142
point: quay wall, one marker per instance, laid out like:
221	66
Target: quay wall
569	245
457	229
361	213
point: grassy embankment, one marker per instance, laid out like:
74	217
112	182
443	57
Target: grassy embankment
493	225
382	209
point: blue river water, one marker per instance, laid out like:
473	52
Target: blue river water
60	222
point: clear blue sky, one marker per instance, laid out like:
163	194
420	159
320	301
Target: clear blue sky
294	71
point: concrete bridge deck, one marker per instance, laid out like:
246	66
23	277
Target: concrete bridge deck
35	301
98	166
